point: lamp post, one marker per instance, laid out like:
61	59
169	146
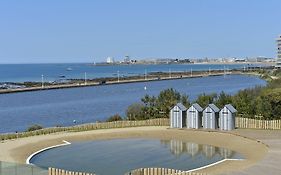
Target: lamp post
42	81
145	74
118	78
170	75
85	78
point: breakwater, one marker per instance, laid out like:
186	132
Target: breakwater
158	76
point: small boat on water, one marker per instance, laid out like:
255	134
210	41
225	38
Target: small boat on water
62	76
69	69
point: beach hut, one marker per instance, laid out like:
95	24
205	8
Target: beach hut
227	117
178	116
211	117
194	116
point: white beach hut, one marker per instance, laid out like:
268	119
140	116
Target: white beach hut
194	116
211	117
178	116
227	118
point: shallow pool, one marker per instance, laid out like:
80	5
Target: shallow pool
119	156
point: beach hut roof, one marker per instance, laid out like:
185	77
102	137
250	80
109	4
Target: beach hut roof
197	107
214	107
181	106
230	108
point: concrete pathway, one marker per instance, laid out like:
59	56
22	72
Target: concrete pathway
271	164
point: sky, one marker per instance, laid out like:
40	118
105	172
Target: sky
52	31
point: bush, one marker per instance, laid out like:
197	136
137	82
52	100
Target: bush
135	112
34	128
114	118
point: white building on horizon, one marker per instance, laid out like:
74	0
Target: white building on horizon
109	60
279	48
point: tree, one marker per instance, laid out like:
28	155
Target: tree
166	99
271	104
136	111
185	100
204	99
223	99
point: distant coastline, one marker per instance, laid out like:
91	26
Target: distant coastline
155	76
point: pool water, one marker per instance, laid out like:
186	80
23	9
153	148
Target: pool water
119	156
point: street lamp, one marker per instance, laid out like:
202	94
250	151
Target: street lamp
170	73
145	74
85	78
42	81
118	76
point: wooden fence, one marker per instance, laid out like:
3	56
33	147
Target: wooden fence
161	171
240	123
257	123
141	171
88	127
56	171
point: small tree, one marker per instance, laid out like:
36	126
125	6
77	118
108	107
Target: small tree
136	111
185	100
34	128
205	99
115	117
223	99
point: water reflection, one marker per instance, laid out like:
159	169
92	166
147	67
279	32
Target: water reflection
178	148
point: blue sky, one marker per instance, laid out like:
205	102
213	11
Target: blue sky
91	30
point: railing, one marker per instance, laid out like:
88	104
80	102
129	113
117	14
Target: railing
56	171
161	171
257	123
20	169
88	127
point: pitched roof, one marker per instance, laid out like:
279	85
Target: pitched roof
181	106
197	107
230	108
214	107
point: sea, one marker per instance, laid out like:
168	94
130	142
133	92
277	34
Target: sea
53	72
61	107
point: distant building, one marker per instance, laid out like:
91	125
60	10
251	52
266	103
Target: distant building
279	48
127	59
278	62
240	60
109	60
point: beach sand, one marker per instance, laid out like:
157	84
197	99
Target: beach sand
241	141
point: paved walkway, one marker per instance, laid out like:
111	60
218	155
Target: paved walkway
271	164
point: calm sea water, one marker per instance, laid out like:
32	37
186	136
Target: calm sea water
49	108
51	72
119	156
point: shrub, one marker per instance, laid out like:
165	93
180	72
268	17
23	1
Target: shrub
114	118
134	111
34	128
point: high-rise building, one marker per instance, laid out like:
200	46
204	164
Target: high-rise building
279	48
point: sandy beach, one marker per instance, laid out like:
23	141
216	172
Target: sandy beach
254	145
